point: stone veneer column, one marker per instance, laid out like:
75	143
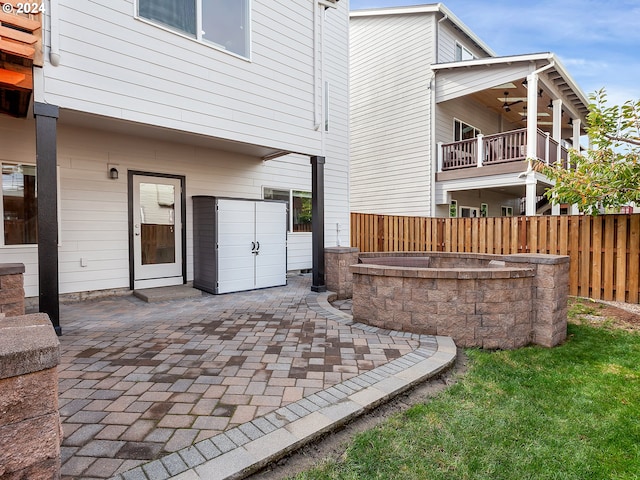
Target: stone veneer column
30	430
550	296
337	275
11	289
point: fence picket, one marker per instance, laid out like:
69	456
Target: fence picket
604	251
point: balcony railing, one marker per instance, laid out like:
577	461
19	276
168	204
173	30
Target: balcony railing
500	148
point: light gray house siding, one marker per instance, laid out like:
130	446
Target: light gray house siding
390	113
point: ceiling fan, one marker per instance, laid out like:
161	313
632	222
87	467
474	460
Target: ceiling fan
507	105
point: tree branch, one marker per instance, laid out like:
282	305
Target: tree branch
622	139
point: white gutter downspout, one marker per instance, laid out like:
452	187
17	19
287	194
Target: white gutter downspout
316	71
54	26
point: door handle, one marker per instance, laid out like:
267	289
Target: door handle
137	230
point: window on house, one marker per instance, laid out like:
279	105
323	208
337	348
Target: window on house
468	212
507	211
464	131
224	23
463	53
298	207
19	204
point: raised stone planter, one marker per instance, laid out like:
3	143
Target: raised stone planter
30	430
480	300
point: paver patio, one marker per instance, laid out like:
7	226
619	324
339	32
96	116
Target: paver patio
140	381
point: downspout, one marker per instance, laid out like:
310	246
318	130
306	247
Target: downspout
316	34
432	120
54	27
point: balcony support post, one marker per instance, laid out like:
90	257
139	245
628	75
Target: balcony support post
480	149
532	116
440	157
530	206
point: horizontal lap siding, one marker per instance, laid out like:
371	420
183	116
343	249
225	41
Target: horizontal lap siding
390	110
115	65
94	209
604	250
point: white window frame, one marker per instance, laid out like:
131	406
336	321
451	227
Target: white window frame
474	212
199	38
506	211
465	53
476	131
58	205
289	206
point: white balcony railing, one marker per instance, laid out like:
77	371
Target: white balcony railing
497	149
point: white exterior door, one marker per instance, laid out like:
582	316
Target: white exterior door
157	231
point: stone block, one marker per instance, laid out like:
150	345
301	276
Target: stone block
27	396
29	442
28	344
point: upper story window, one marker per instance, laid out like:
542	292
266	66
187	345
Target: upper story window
224	23
464	131
19	204
463	53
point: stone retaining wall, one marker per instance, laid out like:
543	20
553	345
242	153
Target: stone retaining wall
481	300
11	289
30	430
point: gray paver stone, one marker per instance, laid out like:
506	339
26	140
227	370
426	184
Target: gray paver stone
237	437
223	442
264	425
135	474
251	431
192	456
155	470
174	464
208	449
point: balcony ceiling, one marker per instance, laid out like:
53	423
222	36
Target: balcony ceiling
487	79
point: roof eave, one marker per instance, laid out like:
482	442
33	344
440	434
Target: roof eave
430	8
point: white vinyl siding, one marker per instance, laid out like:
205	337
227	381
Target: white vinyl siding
115	65
390	113
449	38
94	208
465	82
464	110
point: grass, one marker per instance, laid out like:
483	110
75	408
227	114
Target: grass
571	412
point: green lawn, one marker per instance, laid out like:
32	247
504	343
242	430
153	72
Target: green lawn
571	412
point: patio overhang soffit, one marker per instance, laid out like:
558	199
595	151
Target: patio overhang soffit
487	80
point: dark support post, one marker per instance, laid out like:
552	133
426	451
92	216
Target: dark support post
317	223
46	159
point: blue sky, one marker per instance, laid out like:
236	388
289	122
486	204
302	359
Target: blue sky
598	42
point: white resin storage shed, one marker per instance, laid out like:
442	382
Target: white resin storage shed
238	244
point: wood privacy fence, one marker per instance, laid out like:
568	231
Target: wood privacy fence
604	250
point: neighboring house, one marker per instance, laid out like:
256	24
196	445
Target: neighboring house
440	126
166	99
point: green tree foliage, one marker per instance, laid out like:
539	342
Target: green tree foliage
608	174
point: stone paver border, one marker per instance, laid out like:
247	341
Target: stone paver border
251	446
